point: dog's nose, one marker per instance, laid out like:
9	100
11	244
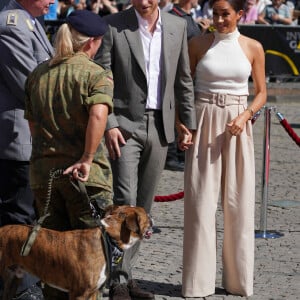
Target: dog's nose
148	234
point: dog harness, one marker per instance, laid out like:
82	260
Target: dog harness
113	254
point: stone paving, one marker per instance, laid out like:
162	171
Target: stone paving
277	261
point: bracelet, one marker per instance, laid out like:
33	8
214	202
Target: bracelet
88	154
251	111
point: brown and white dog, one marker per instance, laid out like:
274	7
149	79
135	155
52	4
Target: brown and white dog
72	261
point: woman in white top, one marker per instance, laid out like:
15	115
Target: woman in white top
221	159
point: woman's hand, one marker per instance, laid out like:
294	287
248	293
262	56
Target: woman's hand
80	170
236	126
184	137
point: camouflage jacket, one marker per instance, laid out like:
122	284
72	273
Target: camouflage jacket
57	100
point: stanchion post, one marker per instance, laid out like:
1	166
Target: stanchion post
262	232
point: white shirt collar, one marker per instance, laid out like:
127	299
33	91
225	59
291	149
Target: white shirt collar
144	23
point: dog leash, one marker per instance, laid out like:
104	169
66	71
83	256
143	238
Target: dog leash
53	174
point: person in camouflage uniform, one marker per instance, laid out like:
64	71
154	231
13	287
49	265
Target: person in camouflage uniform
67	101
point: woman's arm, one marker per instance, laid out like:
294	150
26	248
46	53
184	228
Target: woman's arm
94	132
255	53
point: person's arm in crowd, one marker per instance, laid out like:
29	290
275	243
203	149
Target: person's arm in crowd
283	20
296	13
261	19
204	24
287	20
98	5
110	6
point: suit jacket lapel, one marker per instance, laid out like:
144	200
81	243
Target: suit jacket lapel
134	40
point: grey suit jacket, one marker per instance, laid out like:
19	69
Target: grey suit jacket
22	48
122	51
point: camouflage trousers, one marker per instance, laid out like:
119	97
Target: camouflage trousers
69	210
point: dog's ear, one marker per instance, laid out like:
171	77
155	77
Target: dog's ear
133	223
130	224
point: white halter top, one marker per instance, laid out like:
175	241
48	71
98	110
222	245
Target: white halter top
225	68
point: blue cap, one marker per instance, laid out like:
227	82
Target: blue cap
87	23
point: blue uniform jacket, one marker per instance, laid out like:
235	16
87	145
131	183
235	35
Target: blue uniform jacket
23	45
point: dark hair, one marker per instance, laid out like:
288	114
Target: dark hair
237	5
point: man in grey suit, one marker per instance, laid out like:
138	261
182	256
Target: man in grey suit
23	45
147	52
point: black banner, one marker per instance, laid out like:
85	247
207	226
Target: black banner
281	44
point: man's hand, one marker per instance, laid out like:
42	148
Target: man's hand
114	139
204	24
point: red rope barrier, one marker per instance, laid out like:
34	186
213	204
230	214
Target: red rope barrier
288	129
167	198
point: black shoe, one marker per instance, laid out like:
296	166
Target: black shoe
155	229
119	292
137	293
174	165
32	293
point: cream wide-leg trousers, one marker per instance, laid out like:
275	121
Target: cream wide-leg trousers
219	163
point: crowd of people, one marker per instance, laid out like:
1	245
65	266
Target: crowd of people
121	82
255	11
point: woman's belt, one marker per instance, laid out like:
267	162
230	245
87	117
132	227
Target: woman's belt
221	99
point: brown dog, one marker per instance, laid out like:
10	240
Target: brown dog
72	261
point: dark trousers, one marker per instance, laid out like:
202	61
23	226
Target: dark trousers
16	201
16	197
174	153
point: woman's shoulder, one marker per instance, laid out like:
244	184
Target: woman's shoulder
250	43
252	48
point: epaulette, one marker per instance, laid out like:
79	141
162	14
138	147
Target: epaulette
12	19
29	24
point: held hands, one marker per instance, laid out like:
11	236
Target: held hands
114	139
184	136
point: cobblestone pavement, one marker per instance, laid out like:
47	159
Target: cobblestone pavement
277	261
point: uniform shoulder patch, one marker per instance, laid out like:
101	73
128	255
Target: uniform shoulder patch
12	19
29	24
